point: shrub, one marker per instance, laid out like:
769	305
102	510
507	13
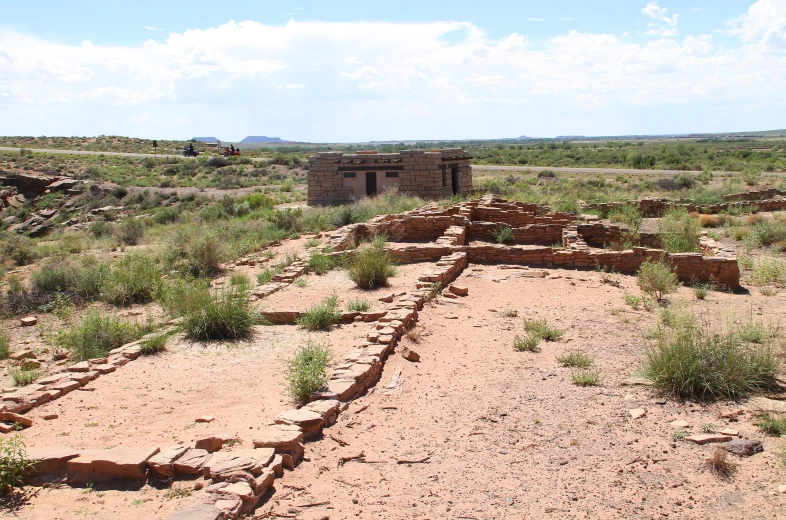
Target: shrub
656	279
134	279
684	180
321	316
680	231
5	344
24	377
206	315
307	371
202	256
632	300
751	176
320	263
575	358
502	235
542	329
371	268
771	424
19	249
770	270
705	177
358	305
528	343
589	377
14	463
100	229
690	360
712	221
96	335
130	231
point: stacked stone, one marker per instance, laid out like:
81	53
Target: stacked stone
656	207
454	236
598	234
768	193
571	239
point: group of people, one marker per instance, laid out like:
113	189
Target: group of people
231	151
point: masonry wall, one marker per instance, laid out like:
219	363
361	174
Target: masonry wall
421	173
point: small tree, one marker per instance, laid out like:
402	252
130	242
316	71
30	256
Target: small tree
657	279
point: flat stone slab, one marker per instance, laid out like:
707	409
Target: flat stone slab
210	443
50	460
118	462
637	413
306	419
16	418
253	461
104	368
163	463
65	386
680	424
198	512
191	462
281	440
706	438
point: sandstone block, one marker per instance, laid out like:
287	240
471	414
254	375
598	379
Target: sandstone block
281	440
16	418
104	369
409	354
84	366
705	438
119	462
47	461
163	463
28	321
198	512
209	443
744	447
23	354
458	290
191	462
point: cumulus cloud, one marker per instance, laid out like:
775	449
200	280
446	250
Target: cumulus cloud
765	22
664	25
397	75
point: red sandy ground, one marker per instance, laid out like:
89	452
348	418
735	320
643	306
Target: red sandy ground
506	433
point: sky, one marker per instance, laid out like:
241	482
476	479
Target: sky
355	71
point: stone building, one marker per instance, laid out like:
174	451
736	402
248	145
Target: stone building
335	178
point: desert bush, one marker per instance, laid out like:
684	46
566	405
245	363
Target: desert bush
692	360
751	176
196	254
206	314
321	263
712	221
100	229
130	231
684	180
770	271
134	279
96	335
371	267
321	316
528	343
154	344
14	463
307	371
657	279
5	344
575	358
218	162
680	231
542	329
586	377
84	279
21	250
358	305
705	177
503	234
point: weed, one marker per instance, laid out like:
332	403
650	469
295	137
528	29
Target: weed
25	377
770	271
502	235
358	305
771	424
321	263
321	316
708	428
692	360
719	463
301	282
239	280
575	358
543	330
135	279
14	463
679	435
632	300
307	371
290	257
508	313
702	290
177	492
311	242
680	231
607	275
746	262
96	335
413	335
768	291
154	344
206	314
371	267
265	276
656	279
528	343
587	377
379	241
130	231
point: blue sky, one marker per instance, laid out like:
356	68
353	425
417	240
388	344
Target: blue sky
357	71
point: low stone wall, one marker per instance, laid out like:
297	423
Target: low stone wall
769	193
656	207
542	234
598	234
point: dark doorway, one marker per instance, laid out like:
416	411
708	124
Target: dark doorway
454	177
371	183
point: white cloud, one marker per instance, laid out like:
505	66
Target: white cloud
664	26
151	28
765	21
385	80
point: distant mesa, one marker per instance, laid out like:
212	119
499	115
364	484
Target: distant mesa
262	139
205	139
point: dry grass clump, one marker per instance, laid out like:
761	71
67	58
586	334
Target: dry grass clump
713	221
719	463
575	358
586	377
694	360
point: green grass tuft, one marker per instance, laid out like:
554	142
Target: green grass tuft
772	424
307	371
223	314
321	316
589	377
371	267
543	330
528	343
358	305
575	358
96	335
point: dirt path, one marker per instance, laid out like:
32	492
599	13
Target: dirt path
505	434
